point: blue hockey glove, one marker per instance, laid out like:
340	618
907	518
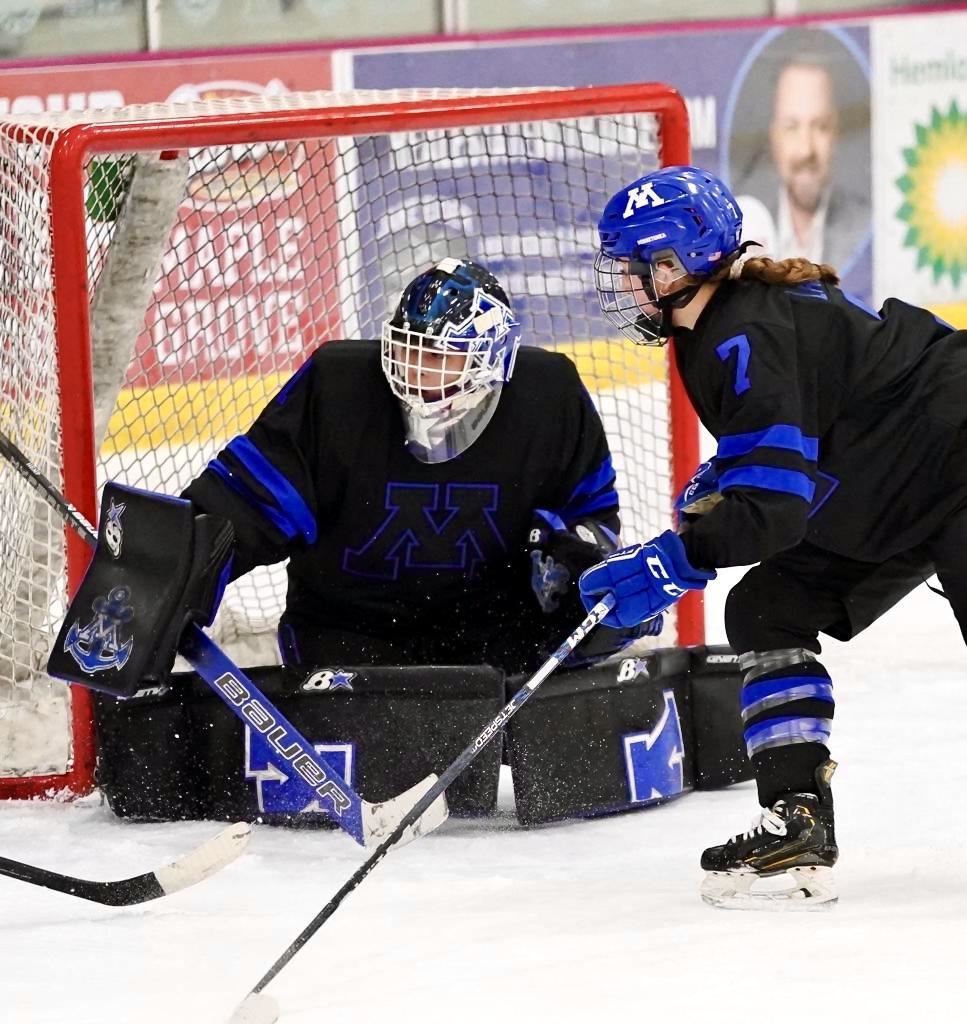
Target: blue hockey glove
699	495
645	580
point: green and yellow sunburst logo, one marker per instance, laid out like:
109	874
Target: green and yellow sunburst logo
935	194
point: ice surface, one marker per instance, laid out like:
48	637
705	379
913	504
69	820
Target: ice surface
587	921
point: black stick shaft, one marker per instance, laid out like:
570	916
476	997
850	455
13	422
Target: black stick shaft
33	475
121	893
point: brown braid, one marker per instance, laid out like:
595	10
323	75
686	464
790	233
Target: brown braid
790	271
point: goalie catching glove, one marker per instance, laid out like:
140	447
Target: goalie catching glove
157	567
559	555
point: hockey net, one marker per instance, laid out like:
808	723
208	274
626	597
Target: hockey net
166	267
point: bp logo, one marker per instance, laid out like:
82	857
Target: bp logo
934	188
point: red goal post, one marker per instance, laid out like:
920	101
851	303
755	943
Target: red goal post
165	267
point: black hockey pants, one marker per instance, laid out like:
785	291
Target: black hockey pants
787	601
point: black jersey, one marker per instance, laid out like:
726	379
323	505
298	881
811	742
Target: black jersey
835	423
380	542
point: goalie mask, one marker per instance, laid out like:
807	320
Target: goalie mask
447	352
661	238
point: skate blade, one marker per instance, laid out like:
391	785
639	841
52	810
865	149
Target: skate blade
797	889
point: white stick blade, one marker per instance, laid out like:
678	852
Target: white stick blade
256	1008
379	820
204	861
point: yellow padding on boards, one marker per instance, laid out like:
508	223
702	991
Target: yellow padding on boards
953	312
145	418
217	410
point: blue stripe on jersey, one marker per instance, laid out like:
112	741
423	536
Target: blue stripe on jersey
759	697
783	732
592	494
289	514
779	435
767	478
809	290
602	477
289	500
608	499
236	484
553	520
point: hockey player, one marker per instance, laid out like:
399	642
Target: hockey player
422	498
840	468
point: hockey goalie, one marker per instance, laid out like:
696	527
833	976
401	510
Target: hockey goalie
436	494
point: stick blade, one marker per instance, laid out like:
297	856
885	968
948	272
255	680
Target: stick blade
379	820
256	1008
206	859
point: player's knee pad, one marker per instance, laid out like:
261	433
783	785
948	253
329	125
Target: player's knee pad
757	663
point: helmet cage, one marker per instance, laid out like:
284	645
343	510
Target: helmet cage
478	355
635	296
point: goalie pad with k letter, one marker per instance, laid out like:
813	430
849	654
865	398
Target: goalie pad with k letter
157	567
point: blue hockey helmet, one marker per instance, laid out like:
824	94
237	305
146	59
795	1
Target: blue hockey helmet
671	224
449	346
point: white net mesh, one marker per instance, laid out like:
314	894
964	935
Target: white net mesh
213	273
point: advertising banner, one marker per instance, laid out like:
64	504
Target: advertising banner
920	155
782	113
233	297
115	83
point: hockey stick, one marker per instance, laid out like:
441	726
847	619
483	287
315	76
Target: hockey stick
193	867
368	823
259	1008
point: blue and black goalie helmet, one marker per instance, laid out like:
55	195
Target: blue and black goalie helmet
670	225
452	336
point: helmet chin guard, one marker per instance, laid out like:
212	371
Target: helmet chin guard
442	434
446	353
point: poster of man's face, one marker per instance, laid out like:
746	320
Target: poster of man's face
799	150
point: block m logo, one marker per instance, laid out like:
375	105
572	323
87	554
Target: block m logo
430	526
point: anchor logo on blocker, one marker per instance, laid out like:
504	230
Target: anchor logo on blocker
97	646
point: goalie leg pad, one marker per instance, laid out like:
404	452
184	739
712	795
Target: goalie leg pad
622	739
628	734
382	729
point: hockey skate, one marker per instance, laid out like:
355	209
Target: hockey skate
784	861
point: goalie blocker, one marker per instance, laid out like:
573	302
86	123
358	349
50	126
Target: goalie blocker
594	740
156	568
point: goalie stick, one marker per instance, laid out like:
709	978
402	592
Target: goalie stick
258	1007
193	867
368	823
